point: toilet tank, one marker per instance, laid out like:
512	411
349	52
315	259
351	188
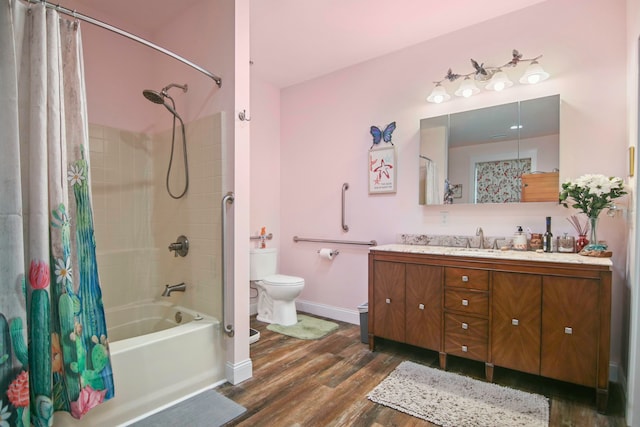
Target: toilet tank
262	263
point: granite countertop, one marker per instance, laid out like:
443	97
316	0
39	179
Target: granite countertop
495	254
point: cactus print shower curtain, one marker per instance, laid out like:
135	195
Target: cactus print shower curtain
54	354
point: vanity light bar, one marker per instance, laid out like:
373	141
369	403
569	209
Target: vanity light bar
495	78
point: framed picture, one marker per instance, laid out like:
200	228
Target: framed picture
456	189
382	170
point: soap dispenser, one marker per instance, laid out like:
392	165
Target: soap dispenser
520	240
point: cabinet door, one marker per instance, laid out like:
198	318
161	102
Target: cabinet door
424	306
515	324
389	300
570	319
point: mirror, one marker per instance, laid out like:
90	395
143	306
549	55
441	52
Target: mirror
502	154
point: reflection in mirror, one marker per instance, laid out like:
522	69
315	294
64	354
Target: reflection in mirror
502	154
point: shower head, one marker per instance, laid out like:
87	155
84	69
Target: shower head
159	97
153	96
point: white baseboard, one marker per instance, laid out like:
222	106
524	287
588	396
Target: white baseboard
238	372
336	313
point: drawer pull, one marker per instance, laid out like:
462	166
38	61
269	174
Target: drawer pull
465	302
465	326
568	330
421	306
388	300
464	348
515	322
465	278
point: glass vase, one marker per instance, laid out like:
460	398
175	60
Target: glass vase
581	242
594	245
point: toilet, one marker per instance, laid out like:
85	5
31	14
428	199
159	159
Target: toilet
276	292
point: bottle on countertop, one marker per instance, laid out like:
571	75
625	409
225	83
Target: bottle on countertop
520	240
547	238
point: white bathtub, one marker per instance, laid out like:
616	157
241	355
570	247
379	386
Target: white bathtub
169	362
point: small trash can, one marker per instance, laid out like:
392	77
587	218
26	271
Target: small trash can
364	322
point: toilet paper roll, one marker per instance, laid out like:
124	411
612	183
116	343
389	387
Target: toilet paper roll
325	253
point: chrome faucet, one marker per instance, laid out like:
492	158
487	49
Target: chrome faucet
180	287
480	233
495	242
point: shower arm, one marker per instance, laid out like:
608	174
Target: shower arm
184	88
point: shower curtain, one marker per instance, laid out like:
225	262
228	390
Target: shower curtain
54	352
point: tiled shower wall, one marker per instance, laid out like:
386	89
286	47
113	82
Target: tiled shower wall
136	219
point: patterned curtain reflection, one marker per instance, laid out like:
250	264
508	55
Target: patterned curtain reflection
500	181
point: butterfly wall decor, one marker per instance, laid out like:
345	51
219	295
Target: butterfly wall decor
382	135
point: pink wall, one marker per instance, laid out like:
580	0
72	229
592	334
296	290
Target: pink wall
325	138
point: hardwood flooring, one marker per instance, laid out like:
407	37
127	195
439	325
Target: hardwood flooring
325	383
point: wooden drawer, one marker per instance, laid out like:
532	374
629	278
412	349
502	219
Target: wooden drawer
466	278
462	325
465	301
466	336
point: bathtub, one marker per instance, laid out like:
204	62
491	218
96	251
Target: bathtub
156	360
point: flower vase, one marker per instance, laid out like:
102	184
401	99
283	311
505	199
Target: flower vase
594	245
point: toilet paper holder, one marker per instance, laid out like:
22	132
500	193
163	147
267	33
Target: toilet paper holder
333	252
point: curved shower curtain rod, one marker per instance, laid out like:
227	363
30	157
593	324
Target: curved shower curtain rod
128	35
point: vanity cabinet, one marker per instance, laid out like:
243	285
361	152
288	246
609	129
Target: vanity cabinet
516	321
466	314
549	318
570	324
408	303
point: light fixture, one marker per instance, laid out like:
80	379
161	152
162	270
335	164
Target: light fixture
438	94
499	81
534	74
467	88
495	78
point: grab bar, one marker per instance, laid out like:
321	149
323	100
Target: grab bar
345	187
228	198
344	242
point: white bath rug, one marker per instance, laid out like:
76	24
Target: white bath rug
452	400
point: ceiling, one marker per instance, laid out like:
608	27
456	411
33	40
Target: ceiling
297	40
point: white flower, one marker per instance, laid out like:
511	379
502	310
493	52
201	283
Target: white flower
591	193
74	175
4	416
63	270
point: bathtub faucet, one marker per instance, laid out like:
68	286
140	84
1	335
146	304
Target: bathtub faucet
180	287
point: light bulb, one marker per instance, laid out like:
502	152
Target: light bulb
467	88
534	74
438	95
499	81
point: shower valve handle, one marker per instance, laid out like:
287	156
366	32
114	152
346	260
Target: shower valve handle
180	247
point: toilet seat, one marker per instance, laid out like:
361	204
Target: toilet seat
282	280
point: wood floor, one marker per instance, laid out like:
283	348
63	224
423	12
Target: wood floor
325	383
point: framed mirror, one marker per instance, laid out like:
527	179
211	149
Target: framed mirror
507	153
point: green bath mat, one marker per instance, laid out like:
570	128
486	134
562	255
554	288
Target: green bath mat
307	328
